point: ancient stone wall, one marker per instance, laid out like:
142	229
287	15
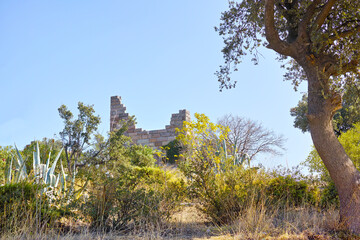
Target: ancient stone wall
153	138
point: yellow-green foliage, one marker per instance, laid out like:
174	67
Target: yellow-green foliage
225	189
213	180
23	205
4	155
350	141
286	190
201	139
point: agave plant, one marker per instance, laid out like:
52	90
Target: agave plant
238	158
42	173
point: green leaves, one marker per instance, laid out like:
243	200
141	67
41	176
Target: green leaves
77	133
322	29
343	119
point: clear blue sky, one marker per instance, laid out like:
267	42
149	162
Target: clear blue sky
159	55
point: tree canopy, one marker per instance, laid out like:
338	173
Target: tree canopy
329	29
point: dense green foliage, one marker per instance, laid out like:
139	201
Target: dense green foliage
141	156
331	30
77	133
343	120
286	190
173	150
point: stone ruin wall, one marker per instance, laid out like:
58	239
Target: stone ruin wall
153	138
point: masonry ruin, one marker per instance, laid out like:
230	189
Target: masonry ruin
153	138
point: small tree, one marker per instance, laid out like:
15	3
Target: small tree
213	178
77	133
249	137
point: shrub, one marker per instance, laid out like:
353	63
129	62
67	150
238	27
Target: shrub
23	205
286	190
217	180
329	196
141	156
173	150
138	196
222	196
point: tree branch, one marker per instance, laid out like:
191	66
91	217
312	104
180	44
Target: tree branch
323	15
351	66
345	33
309	13
272	35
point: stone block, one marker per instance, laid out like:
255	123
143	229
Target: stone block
162	139
154	131
165	134
143	141
145	136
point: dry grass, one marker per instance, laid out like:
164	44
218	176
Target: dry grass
256	223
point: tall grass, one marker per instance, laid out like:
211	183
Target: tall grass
257	222
24	211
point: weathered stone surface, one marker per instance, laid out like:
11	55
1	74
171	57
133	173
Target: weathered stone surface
153	138
143	141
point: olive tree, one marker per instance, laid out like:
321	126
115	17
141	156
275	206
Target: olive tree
319	40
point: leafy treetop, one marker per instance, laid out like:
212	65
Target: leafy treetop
328	30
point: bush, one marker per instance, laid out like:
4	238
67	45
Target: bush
329	196
141	156
222	196
286	190
139	196
173	151
23	205
226	194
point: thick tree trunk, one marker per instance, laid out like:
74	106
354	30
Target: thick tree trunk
322	104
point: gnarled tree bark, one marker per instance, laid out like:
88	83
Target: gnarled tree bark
321	108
